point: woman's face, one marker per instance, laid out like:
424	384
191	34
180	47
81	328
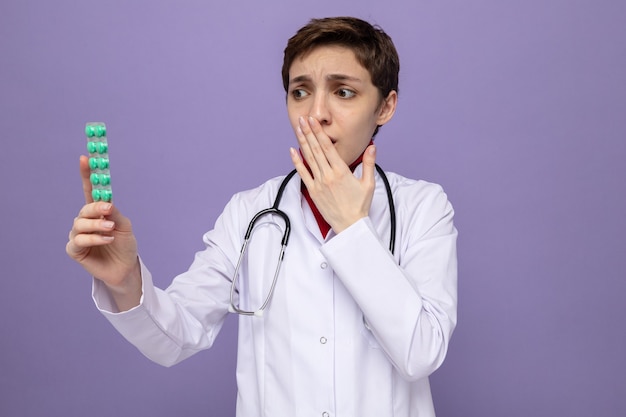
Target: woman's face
330	85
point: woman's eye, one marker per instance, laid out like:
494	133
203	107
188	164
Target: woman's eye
298	93
345	93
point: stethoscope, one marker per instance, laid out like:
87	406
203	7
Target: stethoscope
275	210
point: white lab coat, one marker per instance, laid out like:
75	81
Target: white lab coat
350	330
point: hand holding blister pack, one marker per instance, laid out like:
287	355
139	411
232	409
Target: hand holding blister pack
98	148
101	238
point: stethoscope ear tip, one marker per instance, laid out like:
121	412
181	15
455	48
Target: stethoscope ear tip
231	309
258	313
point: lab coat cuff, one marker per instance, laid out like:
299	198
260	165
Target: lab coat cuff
106	304
347	236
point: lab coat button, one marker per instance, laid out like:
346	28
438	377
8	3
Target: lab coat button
325	414
323	340
323	265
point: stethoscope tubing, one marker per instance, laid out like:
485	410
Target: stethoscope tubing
285	240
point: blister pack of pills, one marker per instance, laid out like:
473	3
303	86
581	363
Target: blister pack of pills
98	148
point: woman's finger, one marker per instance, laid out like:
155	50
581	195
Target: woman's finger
325	145
84	175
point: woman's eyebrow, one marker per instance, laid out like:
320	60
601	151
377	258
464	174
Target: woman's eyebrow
300	79
329	77
342	77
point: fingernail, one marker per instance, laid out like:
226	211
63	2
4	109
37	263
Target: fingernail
106	207
301	121
107	224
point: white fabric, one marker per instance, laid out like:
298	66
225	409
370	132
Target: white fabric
350	330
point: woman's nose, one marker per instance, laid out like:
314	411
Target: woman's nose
319	110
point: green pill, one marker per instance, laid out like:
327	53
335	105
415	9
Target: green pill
95	179
106	195
101	147
91	147
90	131
95	194
100	130
104	179
93	163
103	163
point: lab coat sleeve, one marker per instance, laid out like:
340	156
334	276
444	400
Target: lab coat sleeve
148	326
408	302
170	325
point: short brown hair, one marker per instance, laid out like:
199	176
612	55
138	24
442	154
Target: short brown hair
373	48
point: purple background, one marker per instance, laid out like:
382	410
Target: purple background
518	108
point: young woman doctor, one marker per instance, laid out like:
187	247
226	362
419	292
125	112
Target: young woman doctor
350	328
